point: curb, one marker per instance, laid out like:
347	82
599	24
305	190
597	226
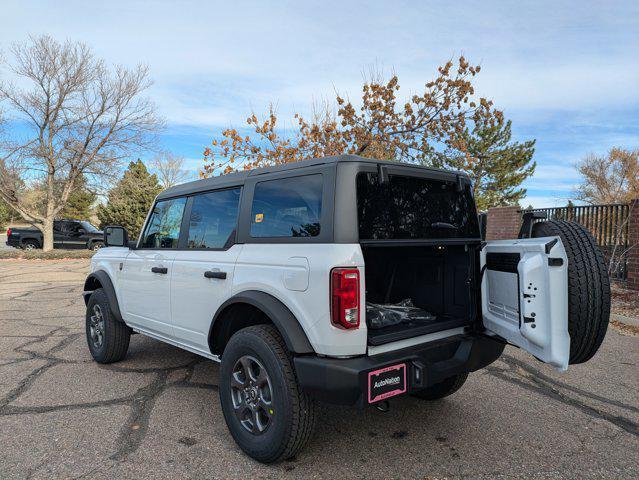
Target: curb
625	320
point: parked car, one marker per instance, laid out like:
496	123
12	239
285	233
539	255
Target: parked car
345	280
66	234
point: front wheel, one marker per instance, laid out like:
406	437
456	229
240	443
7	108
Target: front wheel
107	338
267	413
442	389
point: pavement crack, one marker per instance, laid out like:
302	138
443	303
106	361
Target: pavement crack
134	430
28	380
24	385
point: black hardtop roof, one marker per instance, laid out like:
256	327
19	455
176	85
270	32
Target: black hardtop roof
237	178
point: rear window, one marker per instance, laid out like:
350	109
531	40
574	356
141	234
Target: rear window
289	207
414	208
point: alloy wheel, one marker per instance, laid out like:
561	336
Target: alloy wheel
96	327
251	393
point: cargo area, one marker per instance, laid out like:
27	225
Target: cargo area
417	290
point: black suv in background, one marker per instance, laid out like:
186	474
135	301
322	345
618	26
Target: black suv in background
66	234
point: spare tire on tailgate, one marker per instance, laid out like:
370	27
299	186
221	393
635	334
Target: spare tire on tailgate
588	287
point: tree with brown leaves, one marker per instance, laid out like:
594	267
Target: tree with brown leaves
383	127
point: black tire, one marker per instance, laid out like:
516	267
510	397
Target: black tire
442	389
95	246
30	245
293	412
588	287
114	336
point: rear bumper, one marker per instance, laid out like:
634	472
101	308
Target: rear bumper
344	381
13	242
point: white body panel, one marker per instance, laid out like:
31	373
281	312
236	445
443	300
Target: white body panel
299	276
529	308
178	307
109	260
145	296
194	298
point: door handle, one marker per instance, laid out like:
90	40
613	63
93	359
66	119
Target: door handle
215	274
162	270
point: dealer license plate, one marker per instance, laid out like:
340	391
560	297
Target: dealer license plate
386	382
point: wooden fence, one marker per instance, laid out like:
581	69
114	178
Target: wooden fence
608	224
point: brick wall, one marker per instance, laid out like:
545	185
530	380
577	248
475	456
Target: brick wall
633	242
503	223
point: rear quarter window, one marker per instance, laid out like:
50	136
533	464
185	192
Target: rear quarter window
287	207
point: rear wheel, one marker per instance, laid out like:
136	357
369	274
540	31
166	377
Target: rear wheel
30	245
267	413
442	389
108	339
588	287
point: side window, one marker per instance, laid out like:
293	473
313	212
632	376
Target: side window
290	207
213	219
163	228
72	227
57	226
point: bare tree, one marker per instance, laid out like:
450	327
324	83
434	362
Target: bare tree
169	168
613	178
82	119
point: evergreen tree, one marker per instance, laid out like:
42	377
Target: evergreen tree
497	166
5	215
80	202
130	200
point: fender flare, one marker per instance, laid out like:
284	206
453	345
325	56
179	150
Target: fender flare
283	319
107	285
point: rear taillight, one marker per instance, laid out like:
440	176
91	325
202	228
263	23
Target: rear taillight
345	297
8	232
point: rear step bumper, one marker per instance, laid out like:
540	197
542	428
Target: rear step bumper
345	381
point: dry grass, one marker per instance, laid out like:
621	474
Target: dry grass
15	253
625	302
625	328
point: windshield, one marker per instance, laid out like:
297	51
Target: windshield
88	227
407	207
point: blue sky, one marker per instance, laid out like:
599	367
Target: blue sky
566	73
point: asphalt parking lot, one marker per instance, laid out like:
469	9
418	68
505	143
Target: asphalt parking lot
157	414
3	242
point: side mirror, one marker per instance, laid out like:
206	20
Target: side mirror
116	237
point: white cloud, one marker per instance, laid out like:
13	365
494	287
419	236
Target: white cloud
213	61
544	201
565	72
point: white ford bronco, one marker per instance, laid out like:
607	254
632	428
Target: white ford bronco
343	280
